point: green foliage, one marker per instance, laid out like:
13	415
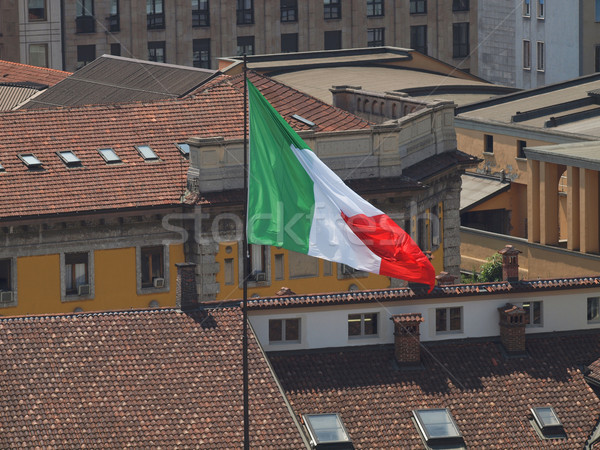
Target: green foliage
491	270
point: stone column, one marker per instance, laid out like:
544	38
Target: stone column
549	203
573	208
588	182
533	201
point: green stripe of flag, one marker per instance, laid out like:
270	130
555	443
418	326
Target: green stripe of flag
280	192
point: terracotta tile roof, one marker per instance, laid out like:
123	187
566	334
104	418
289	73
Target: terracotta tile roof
145	379
399	294
216	110
488	394
11	72
408	317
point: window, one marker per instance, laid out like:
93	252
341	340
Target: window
5	275
540	57
423	233
146	152
540	9
547	423
437	426
155	15
30	160
156	51
521	149
258	258
289	10
245	13
38	55
326	429
418	6
76	274
229	273
533	313
184	149
460	36
460	5
152	266
362	324
333	40
418	38
327	268
526	54
114	23
593	309
289	43
200	13
374	8
332	9
115	49
488	143
36	10
284	330
597	10
69	158
85	54
375	37
279	267
245	45
597	58
109	155
201	48
526	8
448	320
85	21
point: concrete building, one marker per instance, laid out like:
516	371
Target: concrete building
196	33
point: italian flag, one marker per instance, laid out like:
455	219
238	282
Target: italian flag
298	203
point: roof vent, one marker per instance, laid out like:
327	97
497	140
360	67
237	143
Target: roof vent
303	120
30	161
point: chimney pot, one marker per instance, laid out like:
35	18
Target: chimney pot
445	279
510	263
512	328
186	296
407	343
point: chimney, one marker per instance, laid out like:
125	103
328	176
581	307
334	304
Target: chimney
186	296
445	279
512	328
407	342
510	263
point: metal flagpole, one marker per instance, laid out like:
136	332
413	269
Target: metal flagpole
245	268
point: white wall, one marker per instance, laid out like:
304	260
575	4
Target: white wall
48	32
323	327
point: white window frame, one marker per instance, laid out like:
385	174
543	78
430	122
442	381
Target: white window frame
541	9
448	330
362	334
283	339
138	270
526	8
526	54
541	56
64	297
596	318
529	313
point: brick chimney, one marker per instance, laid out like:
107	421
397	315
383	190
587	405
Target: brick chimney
445	279
510	263
186	296
512	328
407	340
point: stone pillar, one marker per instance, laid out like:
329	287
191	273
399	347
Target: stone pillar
512	328
186	294
450	224
407	341
207	270
588	181
533	201
549	203
573	208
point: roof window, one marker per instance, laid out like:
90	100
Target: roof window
546	423
184	149
69	158
30	160
303	120
1	168
109	155
437	427
146	152
326	429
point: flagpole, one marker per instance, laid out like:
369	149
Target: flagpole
245	271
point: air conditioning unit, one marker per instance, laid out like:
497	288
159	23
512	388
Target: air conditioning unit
159	282
260	276
83	289
6	297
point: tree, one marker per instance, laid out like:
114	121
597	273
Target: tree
491	270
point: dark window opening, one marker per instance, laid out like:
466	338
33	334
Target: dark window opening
245	13
374	8
289	10
418	6
418	38
200	13
155	15
284	330
333	40
36	10
521	149
375	37
245	45
156	51
460	42
488	143
5	275
115	49
114	23
85	54
152	266
289	43
460	5
201	48
332	9
76	274
85	22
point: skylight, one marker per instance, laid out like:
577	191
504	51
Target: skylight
325	429
1	168
30	160
69	158
146	152
184	148
548	423
303	120
437	425
109	155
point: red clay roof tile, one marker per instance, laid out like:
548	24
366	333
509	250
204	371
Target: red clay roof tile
11	72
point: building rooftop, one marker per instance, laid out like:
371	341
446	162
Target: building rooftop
11	72
578	154
114	79
488	394
153	378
